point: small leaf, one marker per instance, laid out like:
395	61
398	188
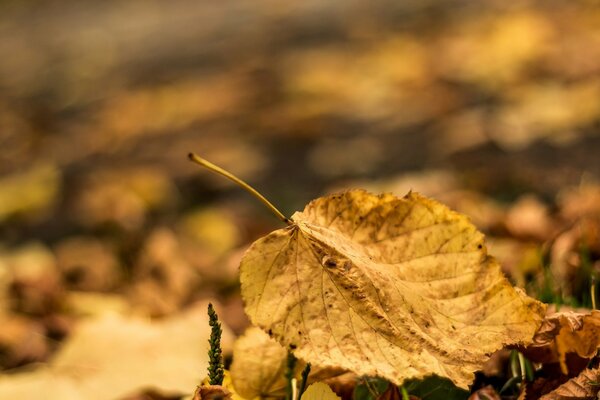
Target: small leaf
583	386
258	365
566	332
382	286
370	388
319	391
435	388
110	357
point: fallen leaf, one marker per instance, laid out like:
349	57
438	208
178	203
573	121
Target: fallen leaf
583	386
110	357
258	366
579	202
30	192
529	218
227	385
212	392
398	288
496	365
485	393
33	279
319	391
122	196
164	279
22	340
568	260
563	333
88	264
343	385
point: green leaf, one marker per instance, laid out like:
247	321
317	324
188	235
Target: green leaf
435	388
370	388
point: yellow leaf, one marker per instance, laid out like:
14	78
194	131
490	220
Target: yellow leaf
110	357
398	288
319	391
258	365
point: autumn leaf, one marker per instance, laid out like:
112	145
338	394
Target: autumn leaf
319	391
485	393
111	356
583	386
259	365
566	332
378	285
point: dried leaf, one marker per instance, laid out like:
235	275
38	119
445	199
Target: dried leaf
398	288
111	357
258	365
583	386
566	332
212	392
30	192
319	391
529	218
485	393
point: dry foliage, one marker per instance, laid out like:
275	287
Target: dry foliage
398	288
584	386
563	333
111	356
258	366
319	391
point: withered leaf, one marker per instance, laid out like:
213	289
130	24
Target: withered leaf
212	392
110	357
259	364
378	285
583	386
485	393
565	332
319	391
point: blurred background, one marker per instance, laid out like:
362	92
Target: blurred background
492	107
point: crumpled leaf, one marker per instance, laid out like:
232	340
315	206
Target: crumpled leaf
565	332
583	386
398	288
111	357
485	393
227	384
319	391
212	392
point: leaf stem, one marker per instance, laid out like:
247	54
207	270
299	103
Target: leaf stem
522	368
216	169
593	292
